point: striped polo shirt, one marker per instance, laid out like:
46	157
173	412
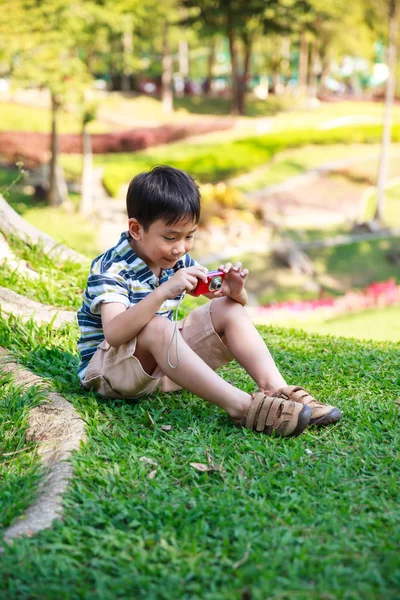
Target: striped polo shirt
118	275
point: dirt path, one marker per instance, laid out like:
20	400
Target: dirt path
331	194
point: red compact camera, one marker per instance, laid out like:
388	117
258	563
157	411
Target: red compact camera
213	283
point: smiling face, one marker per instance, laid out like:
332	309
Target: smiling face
161	246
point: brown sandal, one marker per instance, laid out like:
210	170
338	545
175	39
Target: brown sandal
322	414
275	416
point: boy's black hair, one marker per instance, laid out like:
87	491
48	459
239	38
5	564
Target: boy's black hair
163	193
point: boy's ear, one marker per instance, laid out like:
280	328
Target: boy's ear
135	229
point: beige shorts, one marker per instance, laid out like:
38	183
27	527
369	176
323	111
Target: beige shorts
117	373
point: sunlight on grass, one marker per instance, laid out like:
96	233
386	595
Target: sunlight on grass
381	324
391	215
20	470
140	522
66	227
210	161
17	117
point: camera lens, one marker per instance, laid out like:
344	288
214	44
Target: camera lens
215	284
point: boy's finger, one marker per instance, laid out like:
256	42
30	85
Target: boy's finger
237	266
226	268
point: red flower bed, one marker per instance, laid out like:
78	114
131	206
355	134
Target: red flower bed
377	294
34	148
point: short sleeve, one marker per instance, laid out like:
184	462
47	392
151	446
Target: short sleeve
107	287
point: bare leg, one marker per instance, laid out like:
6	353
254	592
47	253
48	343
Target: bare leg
245	343
192	373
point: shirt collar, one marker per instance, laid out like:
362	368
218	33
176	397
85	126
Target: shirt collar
142	272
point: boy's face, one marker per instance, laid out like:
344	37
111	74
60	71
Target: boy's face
161	246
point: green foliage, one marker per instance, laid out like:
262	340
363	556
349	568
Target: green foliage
59	282
306	517
211	163
220	202
19	465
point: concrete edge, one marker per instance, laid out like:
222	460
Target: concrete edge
13	303
59	429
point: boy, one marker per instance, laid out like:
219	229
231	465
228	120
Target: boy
129	344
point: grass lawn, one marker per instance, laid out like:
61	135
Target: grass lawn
375	324
63	224
19	465
18	117
331	115
311	517
293	162
391	216
220	159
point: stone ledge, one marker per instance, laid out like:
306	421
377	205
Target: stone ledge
16	304
59	430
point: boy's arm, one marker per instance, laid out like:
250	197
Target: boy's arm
121	324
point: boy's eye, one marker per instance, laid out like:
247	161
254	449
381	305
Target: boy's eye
168	238
189	237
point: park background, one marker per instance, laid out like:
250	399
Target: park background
287	114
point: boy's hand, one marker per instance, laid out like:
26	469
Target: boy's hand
184	280
234	281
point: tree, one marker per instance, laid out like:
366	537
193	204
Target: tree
241	22
393	9
44	40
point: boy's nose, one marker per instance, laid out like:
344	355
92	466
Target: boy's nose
179	249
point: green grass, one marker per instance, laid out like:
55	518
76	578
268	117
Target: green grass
63	224
213	162
380	324
369	112
59	283
222	106
293	162
391	215
20	470
273	521
17	117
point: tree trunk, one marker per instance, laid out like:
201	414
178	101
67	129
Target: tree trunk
183	58
276	84
312	85
210	67
303	64
86	204
234	68
387	120
127	50
166	78
52	193
248	46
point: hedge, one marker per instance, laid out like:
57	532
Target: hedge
34	148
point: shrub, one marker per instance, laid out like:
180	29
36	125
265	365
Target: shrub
219	200
217	162
34	148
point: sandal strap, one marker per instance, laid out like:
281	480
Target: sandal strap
296	393
271	414
268	414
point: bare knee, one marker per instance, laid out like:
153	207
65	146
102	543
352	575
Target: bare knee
155	331
224	310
